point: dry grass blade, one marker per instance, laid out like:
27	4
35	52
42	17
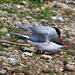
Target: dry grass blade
14	43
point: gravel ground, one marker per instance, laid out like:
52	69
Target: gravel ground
17	57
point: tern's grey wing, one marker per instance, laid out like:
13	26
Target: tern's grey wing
21	26
39	44
35	38
41	30
36	43
46	31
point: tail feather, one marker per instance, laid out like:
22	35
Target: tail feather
24	27
30	42
21	35
34	43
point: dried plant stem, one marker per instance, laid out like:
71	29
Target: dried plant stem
14	43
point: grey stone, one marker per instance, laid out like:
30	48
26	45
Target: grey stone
3	71
58	18
20	41
69	67
46	56
1	12
8	35
4	30
5	44
28	54
55	69
23	2
2	58
12	60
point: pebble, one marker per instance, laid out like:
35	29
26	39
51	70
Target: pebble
46	56
2	58
26	54
63	35
2	18
18	74
23	2
18	6
61	69
16	57
46	70
50	64
71	52
58	18
62	0
72	63
62	53
61	12
10	48
1	12
69	67
4	30
8	35
3	71
34	24
27	71
28	17
12	60
5	44
20	41
25	21
55	69
15	52
60	5
3	53
5	12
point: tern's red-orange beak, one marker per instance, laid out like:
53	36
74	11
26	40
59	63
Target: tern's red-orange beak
59	38
65	46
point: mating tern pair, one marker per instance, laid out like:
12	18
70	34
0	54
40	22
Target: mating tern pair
41	37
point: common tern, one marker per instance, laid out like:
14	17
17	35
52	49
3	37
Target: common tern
43	31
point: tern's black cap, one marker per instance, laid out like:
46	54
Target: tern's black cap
57	30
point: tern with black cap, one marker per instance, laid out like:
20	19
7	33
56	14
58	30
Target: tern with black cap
43	31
